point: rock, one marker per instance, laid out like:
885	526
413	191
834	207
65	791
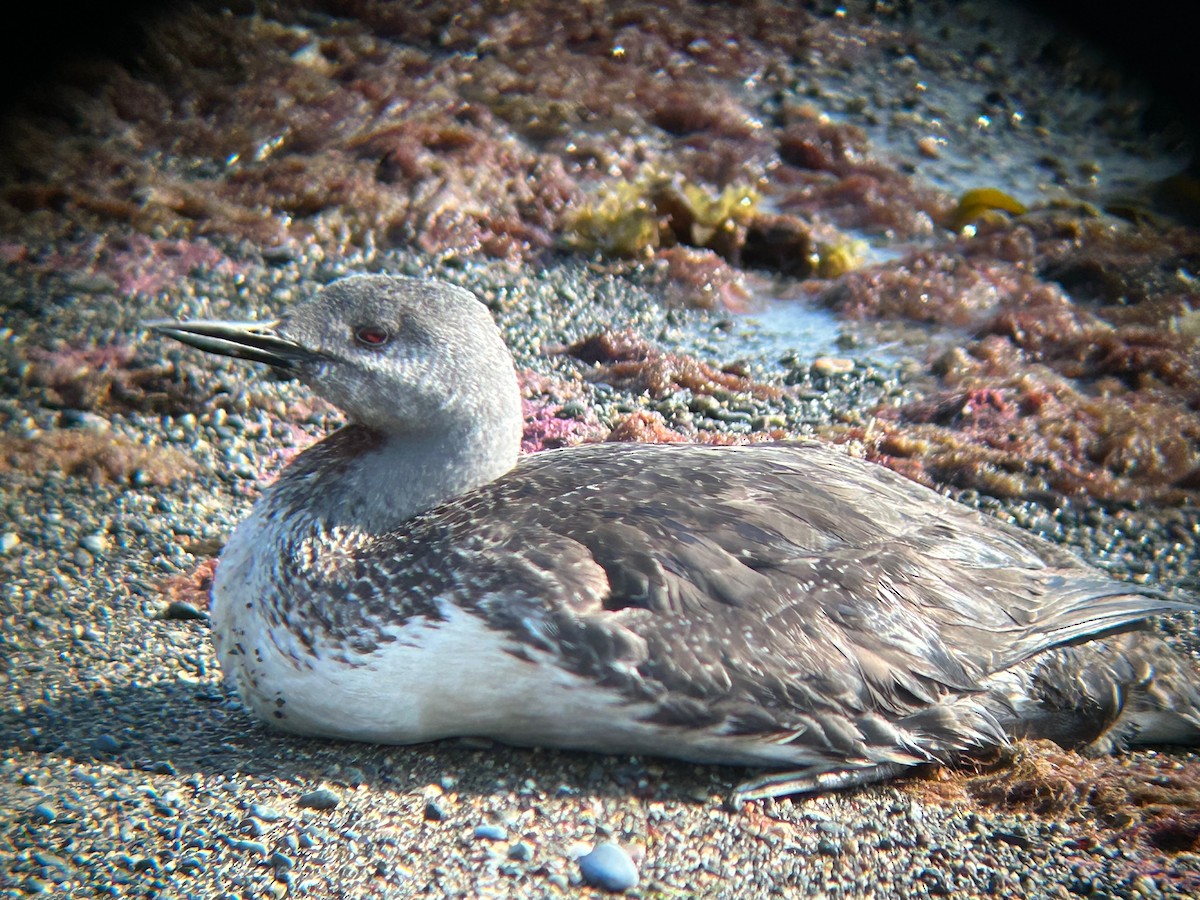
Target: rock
265	813
178	610
44	813
104	744
96	543
832	365
258	848
490	832
321	798
434	812
610	868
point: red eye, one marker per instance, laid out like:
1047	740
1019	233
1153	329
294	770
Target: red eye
371	336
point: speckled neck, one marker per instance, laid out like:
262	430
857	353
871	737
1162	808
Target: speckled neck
365	480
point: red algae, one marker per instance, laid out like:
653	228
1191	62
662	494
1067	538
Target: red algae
110	378
701	279
1151	801
632	362
1078	380
97	456
132	264
1036	437
192	588
489	129
547	426
645	427
649	427
939	287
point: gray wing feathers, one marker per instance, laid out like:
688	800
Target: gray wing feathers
759	586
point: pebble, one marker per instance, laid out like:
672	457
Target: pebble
832	365
104	744
490	833
610	868
190	865
265	813
258	848
520	851
321	798
434	811
96	543
44	813
182	611
9	542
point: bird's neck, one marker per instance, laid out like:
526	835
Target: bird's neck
370	482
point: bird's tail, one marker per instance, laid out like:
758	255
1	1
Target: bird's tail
1108	694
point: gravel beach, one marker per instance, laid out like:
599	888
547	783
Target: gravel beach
128	769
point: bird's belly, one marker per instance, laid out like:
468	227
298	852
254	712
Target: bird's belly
423	680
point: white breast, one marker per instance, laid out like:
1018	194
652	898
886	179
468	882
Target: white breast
426	679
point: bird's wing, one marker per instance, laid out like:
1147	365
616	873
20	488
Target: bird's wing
731	581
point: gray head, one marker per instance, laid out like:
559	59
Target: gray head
403	355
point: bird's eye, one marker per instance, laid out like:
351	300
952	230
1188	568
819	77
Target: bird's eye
371	336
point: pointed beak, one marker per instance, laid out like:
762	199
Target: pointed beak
253	341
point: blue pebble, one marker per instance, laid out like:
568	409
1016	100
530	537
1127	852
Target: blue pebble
104	744
490	832
44	813
610	868
321	798
258	848
265	813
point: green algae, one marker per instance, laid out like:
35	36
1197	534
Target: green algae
631	217
984	204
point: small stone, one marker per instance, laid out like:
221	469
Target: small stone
252	827
281	861
43	858
572	409
104	744
434	812
520	851
179	610
826	847
490	832
189	865
279	254
8	542
96	543
930	146
832	365
44	813
610	868
321	798
265	813
258	848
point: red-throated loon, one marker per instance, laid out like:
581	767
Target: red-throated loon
783	606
